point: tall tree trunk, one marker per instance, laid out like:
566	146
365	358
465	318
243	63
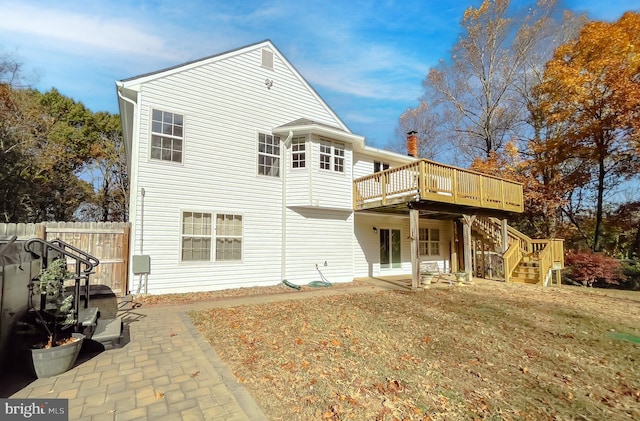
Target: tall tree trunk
635	250
597	235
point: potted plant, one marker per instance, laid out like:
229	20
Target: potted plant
426	277
461	276
54	345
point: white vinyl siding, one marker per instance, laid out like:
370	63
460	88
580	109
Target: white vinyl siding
166	136
365	164
366	251
225	104
316	236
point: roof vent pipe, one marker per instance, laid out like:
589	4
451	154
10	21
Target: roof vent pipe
412	144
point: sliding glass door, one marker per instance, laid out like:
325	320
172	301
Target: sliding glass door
390	255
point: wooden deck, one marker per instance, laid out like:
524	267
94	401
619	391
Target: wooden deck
426	180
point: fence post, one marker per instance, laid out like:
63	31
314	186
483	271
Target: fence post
41	231
125	259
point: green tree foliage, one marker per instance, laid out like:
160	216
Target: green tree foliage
46	141
108	167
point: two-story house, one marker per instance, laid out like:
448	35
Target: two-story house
241	175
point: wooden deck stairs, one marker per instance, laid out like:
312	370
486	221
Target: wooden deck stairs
526	260
527	271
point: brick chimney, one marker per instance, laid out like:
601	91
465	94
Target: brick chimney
412	144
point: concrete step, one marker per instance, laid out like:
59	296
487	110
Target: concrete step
108	332
88	316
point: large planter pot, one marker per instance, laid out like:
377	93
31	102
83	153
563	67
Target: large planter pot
56	360
426	278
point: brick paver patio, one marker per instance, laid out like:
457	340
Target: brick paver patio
165	370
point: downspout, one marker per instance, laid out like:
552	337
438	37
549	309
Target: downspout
283	258
132	181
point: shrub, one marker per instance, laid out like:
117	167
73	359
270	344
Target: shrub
631	271
588	268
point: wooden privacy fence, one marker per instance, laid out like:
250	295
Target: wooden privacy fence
107	241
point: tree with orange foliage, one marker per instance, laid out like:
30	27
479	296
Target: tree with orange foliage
591	91
542	196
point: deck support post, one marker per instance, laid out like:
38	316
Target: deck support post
483	263
505	236
467	221
414	222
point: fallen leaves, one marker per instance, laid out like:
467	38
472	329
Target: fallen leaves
448	354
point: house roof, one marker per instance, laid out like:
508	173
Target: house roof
194	62
308	122
304	126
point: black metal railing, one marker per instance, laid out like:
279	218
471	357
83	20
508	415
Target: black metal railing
80	257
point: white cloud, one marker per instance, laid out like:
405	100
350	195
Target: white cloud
80	32
372	71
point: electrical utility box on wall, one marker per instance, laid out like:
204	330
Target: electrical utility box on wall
141	264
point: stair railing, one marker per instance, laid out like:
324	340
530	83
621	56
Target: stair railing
58	242
47	246
511	258
94	260
545	263
520	245
549	253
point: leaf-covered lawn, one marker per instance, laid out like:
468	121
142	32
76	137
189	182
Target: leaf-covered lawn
192	297
485	351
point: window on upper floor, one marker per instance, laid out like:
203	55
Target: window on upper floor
331	156
268	155
167	139
196	237
429	243
380	166
298	152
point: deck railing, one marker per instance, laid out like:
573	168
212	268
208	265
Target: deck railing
548	253
428	180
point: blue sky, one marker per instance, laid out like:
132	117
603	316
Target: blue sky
367	59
